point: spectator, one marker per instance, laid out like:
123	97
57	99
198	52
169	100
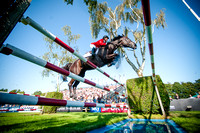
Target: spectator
198	96
177	96
191	96
170	98
94	99
99	99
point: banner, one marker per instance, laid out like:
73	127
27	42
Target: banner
95	109
114	110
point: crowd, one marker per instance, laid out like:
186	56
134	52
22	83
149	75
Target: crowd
96	95
9	106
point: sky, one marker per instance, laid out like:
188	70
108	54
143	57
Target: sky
176	48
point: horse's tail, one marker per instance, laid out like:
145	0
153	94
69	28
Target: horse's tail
66	67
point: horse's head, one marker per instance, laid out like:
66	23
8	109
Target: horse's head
125	42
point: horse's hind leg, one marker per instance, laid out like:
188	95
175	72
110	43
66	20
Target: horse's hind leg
76	69
82	74
70	87
74	88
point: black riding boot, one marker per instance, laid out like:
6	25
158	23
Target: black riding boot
93	51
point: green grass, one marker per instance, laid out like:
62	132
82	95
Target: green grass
188	120
82	122
59	122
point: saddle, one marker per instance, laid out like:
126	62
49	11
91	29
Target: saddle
87	54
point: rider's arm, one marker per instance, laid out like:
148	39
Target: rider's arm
101	42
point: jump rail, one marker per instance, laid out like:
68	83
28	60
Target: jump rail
24	94
9	49
11	110
147	20
39	28
6	98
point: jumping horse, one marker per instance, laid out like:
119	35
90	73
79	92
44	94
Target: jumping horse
104	56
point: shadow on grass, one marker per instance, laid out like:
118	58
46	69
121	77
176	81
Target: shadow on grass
78	122
82	125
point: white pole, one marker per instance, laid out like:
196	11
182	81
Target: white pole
191	10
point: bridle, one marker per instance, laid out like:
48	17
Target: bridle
120	42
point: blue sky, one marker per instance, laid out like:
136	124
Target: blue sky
176	48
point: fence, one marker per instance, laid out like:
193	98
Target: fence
7	98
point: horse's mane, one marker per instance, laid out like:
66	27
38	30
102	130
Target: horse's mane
116	38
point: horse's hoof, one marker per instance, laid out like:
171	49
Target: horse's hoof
75	97
71	96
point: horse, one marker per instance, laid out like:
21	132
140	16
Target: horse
104	56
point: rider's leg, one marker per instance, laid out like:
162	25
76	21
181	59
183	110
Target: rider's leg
94	48
93	51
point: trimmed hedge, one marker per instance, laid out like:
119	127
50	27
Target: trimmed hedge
52	109
141	92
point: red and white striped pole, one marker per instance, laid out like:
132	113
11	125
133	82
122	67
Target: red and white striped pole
26	94
7	98
147	20
9	49
36	26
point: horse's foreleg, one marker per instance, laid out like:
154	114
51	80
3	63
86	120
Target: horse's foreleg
111	56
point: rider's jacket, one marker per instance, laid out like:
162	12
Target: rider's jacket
99	43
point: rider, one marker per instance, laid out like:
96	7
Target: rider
99	43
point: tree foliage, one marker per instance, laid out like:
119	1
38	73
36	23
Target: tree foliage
91	2
17	91
5	90
183	89
37	93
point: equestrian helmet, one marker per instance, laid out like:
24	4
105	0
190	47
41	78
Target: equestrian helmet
105	36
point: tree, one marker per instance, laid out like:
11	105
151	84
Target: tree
91	2
123	17
37	93
5	90
17	91
177	88
58	55
197	85
188	88
183	89
168	87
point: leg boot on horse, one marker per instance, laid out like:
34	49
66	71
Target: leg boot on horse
70	88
